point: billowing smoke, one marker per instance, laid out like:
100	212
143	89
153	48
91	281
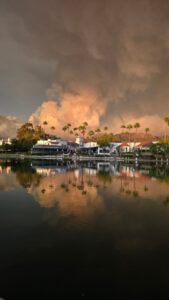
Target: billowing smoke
8	126
73	109
111	59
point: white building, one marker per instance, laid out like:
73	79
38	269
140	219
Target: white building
50	142
79	141
5	141
91	145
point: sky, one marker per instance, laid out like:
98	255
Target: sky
104	62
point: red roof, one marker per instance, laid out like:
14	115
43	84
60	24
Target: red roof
125	144
144	144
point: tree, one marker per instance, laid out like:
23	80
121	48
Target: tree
26	131
90	135
27	136
82	129
105	128
98	130
85	124
136	126
166	120
146	130
68	128
129	127
64	128
45	123
104	140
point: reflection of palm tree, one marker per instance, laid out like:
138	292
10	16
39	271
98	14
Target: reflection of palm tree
121	182
145	185
128	192
135	192
166	201
104	177
146	188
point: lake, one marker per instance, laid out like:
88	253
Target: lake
72	231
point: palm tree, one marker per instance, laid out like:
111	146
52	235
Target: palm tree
136	126
85	124
64	128
146	130
123	127
82	129
166	120
90	134
129	127
52	128
45	123
71	132
105	128
68	128
98	130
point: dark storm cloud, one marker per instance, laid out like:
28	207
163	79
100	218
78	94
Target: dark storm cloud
118	50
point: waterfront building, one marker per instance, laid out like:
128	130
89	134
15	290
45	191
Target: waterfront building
50	147
5	141
79	141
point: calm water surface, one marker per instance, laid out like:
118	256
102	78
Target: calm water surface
80	231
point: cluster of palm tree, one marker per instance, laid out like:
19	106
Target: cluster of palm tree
166	120
45	123
135	126
130	126
83	131
77	131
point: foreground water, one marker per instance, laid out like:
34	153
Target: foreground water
80	231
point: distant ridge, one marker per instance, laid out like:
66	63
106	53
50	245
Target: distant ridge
133	137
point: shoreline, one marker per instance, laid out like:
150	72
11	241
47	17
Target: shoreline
126	159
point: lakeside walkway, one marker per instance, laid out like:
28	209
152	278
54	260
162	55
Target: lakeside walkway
65	157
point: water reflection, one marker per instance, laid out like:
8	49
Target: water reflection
76	189
8	180
110	220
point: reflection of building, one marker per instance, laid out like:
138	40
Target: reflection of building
46	167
